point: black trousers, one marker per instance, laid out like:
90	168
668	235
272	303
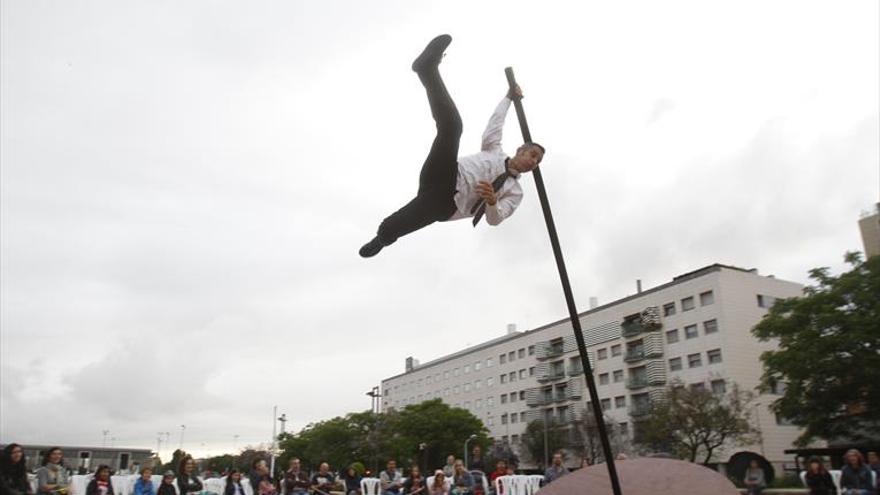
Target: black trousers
434	200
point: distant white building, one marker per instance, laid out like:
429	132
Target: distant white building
703	339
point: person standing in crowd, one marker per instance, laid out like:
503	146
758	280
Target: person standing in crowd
323	480
754	478
52	478
438	486
390	479
855	477
874	464
13	471
167	485
144	484
462	481
475	463
187	481
296	481
449	468
261	480
233	483
556	469
352	481
818	479
100	484
415	484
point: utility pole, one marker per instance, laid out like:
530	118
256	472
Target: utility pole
158	443
272	445
104	441
182	431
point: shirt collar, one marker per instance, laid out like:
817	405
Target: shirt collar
513	173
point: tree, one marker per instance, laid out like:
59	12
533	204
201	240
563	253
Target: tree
828	355
694	421
587	442
533	440
442	428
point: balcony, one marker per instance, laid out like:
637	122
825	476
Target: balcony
576	370
551	375
549	351
631	328
640	410
637	383
633	355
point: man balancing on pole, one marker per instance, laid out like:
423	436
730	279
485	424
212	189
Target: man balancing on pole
452	187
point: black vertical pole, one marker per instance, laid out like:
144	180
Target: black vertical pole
569	297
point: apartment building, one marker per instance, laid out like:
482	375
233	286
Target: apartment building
694	329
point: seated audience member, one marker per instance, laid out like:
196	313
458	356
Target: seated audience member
100	484
874	464
462	481
352	481
449	468
323	481
500	470
261	480
144	484
556	469
475	463
13	471
187	481
855	477
233	483
390	479
296	480
754	479
415	484
818	479
52	477
438	487
167	485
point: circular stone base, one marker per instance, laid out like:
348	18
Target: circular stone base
644	476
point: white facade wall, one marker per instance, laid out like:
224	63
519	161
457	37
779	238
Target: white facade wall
472	378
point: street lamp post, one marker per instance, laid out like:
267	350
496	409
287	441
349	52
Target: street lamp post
104	442
758	424
374	401
466	450
182	431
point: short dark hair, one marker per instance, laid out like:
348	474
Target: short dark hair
539	146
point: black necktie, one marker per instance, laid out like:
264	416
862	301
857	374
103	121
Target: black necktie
479	209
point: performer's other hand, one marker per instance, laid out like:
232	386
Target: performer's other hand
484	190
515	93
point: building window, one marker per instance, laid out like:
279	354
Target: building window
765	301
491	421
428	380
672	336
467	404
602	353
511	356
690	332
698	387
710	326
504	419
618	376
522	374
719	387
514	418
503	378
478	384
455	372
504	398
455	390
467	387
615	350
783	421
446	392
606	404
694	361
669	309
531	350
446	375
513	396
687	303
714	356
467	369
522	417
707	298
504	438
488	362
620	401
532	371
522	395
624	429
477	366
502	359
675	364
512	377
521	353
490	381
603	379
490	401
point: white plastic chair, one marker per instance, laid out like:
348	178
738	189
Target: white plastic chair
533	483
515	484
216	485
371	486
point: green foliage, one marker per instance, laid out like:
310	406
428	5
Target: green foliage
829	354
174	462
372	439
694	422
533	440
219	463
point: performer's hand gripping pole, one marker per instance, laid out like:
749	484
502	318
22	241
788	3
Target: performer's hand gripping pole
569	297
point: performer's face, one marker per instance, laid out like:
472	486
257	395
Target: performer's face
527	158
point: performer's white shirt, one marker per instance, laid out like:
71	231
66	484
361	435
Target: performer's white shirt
486	166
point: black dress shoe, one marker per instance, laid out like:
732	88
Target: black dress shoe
371	248
432	54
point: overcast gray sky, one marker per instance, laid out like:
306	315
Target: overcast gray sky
185	186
